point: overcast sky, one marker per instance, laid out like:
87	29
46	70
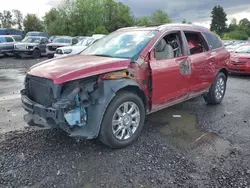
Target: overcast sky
195	11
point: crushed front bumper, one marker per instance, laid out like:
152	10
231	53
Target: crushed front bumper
49	114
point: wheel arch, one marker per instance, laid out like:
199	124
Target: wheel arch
107	90
137	90
224	71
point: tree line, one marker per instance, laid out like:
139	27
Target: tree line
236	30
86	17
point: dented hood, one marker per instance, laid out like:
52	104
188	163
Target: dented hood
65	69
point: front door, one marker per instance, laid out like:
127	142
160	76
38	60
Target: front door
169	70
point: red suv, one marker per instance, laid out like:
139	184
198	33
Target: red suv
106	91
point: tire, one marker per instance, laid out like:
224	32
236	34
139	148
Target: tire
36	54
49	56
107	135
212	97
17	55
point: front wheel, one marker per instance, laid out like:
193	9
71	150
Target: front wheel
123	120
217	90
36	54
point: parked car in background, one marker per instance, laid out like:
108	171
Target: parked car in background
106	91
11	31
59	42
37	34
240	60
7	43
32	46
51	38
77	48
79	38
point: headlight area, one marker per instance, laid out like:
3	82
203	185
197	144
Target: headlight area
67	51
29	47
78	115
76	97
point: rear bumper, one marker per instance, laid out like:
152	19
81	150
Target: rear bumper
239	69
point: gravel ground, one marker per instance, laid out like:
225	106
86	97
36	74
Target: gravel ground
208	146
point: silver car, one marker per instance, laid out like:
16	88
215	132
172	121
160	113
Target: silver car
7	43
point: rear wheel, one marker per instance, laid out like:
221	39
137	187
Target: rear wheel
36	54
123	120
217	90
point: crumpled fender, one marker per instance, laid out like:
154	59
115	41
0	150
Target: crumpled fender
100	100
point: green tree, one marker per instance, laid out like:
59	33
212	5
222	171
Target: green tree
184	21
143	21
160	17
233	25
32	23
219	18
18	18
236	35
6	19
244	25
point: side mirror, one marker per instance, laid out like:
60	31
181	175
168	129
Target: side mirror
152	54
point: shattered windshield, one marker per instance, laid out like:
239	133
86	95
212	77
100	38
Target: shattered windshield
121	44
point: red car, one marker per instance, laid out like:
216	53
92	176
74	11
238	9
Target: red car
106	91
240	60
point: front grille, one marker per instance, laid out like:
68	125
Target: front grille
59	51
39	90
52	48
237	70
238	63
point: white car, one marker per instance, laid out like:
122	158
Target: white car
77	48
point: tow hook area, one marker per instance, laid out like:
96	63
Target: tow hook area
76	116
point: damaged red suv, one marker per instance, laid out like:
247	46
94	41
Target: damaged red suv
106	91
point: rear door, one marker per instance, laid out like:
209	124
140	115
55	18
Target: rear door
9	44
199	57
169	73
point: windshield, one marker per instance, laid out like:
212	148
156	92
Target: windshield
121	44
62	40
31	39
243	49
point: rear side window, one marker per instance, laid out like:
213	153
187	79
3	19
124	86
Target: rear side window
196	42
9	39
213	40
18	38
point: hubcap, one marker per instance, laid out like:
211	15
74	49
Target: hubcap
219	88
125	120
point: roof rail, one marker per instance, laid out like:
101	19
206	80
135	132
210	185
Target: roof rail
133	27
181	24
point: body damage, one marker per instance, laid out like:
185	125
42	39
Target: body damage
80	107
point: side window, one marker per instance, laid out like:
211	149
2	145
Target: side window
44	41
170	46
9	39
213	40
196	43
17	38
74	41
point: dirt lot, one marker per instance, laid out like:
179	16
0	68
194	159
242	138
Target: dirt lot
206	146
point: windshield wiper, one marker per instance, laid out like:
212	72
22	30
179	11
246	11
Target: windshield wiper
102	55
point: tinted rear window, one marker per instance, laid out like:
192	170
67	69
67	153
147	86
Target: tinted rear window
213	41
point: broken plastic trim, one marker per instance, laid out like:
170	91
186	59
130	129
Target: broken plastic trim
76	116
